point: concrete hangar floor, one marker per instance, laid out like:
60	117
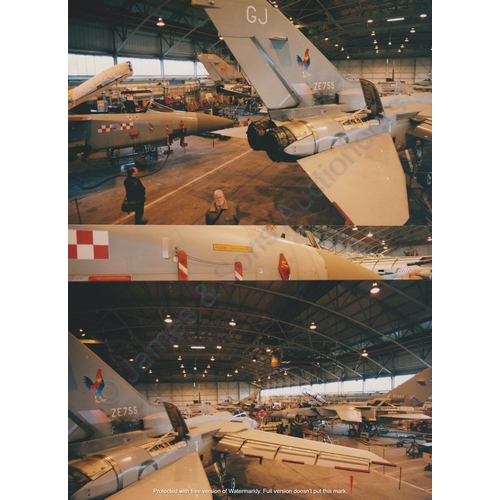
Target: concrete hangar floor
180	187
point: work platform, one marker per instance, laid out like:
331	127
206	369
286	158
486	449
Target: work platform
180	187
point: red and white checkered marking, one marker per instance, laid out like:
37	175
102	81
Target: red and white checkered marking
114	127
84	244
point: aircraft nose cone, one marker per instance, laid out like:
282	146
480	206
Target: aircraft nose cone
208	123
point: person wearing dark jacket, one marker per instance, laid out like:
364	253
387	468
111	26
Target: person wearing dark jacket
136	192
222	211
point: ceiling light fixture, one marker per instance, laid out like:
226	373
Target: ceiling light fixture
168	319
412	30
364	353
212	359
375	288
394	19
197	347
160	22
232	322
313	326
219	347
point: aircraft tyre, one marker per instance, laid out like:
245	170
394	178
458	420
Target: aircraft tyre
425	179
230	482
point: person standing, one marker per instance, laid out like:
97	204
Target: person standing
222	211
136	193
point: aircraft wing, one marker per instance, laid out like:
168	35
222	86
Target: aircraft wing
364	180
221	89
343	412
403	416
179	479
98	83
231	438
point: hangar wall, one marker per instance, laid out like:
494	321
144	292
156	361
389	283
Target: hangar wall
377	70
186	393
85	37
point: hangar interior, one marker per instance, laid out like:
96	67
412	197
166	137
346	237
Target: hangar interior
384	42
227	338
314	332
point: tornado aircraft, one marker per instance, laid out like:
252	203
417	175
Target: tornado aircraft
212	253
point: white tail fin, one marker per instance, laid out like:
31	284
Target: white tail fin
285	68
103	405
414	391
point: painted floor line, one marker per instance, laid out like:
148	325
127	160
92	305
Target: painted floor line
402	482
123	219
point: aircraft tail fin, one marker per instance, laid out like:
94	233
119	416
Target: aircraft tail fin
414	391
103	405
284	67
218	69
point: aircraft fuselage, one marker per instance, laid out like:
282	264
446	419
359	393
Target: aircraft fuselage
123	130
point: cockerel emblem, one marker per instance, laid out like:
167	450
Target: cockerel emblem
304	63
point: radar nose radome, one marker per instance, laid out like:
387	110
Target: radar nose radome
209	123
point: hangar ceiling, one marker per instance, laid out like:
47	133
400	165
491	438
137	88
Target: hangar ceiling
366	240
124	322
339	28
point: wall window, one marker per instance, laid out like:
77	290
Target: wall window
84	65
143	67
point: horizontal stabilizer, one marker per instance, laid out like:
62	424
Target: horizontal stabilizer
364	180
236	132
181	479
